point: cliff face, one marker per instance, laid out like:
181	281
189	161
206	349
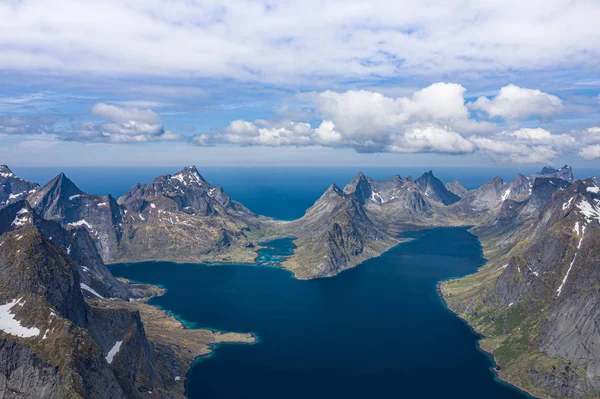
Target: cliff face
40	295
62	201
76	242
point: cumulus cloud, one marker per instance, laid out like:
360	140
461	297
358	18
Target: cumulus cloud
356	112
433	120
590	152
525	145
431	138
591	135
514	102
121	125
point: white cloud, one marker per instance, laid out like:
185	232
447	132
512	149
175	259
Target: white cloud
124	115
514	102
431	138
366	116
123	125
590	152
591	135
309	38
526	145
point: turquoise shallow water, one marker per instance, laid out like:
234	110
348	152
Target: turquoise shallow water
376	331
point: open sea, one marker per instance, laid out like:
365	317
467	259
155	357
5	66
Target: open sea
379	330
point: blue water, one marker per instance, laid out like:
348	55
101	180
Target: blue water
376	331
264	190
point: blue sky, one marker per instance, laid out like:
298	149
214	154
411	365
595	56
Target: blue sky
332	83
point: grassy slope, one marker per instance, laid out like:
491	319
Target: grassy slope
509	333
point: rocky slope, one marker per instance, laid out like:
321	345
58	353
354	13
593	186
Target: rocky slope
13	188
76	242
182	217
536	301
335	234
456	187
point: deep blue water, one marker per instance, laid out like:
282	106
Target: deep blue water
283	193
376	331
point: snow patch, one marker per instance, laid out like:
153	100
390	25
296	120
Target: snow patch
89	289
22	218
562	284
506	194
81	222
589	211
594	190
72	197
566	205
11	326
152	206
113	351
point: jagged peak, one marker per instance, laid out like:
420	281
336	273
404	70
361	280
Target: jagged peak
16	216
6	172
565	173
62	183
334	188
360	186
189	175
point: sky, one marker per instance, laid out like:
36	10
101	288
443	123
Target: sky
299	83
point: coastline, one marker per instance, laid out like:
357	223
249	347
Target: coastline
170	335
481	336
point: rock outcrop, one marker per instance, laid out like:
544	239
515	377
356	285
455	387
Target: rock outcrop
456	188
564	173
13	188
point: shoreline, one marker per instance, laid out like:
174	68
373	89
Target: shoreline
480	336
214	337
256	339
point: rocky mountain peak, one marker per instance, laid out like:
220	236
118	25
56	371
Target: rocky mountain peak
360	186
520	188
13	188
61	188
565	173
433	188
189	176
456	188
5	171
334	189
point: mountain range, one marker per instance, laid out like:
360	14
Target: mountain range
535	301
